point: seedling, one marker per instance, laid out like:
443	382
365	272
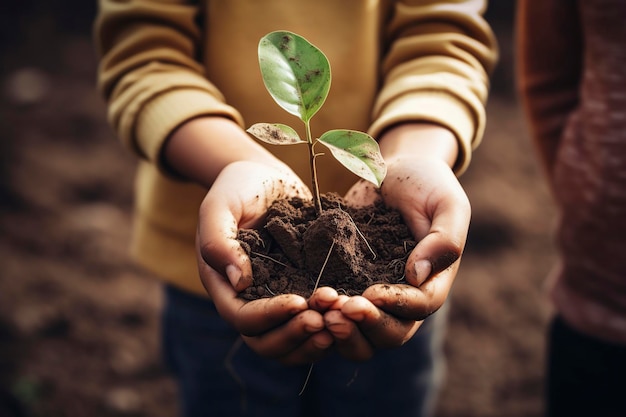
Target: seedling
297	75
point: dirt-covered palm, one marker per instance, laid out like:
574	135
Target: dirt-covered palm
436	209
238	199
283	327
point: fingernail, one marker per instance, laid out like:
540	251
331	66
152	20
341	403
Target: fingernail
234	275
423	268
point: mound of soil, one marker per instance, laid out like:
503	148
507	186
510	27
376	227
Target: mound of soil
345	247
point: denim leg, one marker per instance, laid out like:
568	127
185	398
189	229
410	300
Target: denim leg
401	382
218	375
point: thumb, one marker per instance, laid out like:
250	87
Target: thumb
442	244
432	255
216	240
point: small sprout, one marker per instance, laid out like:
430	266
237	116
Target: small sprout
297	75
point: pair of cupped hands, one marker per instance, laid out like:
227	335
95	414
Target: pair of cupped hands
296	330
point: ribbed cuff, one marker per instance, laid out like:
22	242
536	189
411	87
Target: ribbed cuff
438	108
167	111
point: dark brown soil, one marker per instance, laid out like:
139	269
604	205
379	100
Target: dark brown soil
346	248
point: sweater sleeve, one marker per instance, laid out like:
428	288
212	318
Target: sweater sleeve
149	71
549	55
438	58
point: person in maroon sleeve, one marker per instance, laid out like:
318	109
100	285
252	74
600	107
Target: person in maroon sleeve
573	85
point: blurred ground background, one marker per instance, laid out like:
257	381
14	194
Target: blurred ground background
79	323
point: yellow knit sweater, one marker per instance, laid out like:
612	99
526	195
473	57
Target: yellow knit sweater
165	62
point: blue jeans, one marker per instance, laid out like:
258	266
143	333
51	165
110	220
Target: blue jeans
220	376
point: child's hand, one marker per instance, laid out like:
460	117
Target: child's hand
282	327
436	209
357	326
239	198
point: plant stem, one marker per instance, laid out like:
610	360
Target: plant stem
314	183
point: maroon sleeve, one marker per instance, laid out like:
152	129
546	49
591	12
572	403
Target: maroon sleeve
549	53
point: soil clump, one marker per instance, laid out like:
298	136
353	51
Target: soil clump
345	247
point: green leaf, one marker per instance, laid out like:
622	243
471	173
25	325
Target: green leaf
275	134
358	152
295	72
